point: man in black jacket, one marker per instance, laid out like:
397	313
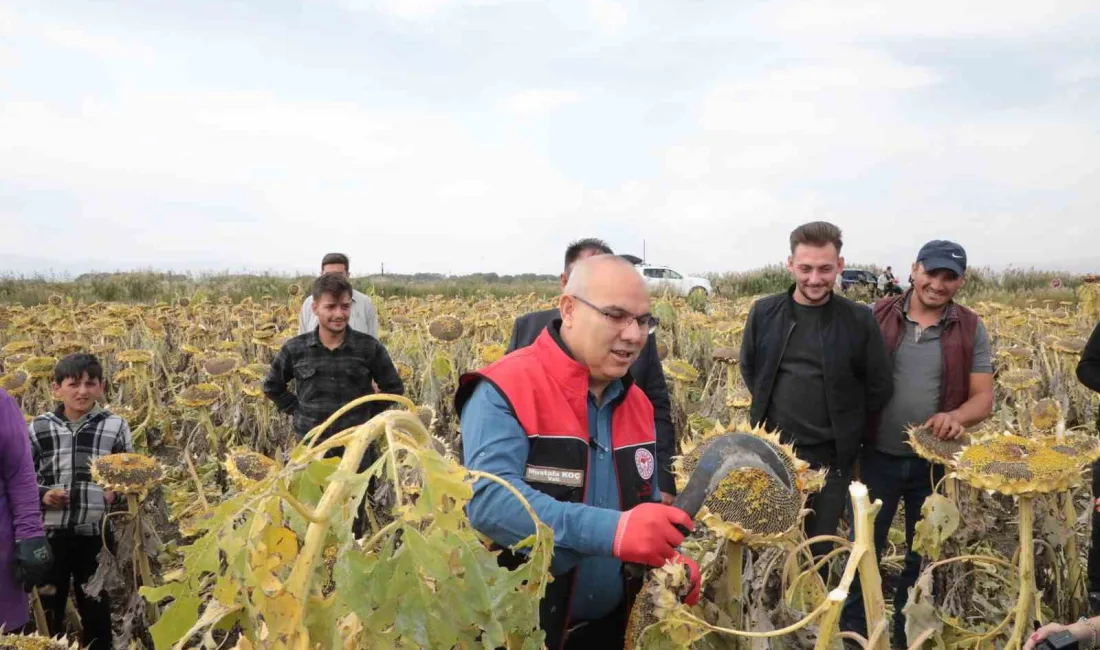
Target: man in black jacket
817	368
1088	372
646	370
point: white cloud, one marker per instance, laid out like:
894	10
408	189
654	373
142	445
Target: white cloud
894	150
609	15
871	19
100	46
306	174
1081	72
420	9
534	101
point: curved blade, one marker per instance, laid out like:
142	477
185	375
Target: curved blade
728	454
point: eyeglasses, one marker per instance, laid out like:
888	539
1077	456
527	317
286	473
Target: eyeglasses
621	318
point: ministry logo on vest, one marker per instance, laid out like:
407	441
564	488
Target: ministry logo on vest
644	462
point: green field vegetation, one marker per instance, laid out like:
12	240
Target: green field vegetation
1014	286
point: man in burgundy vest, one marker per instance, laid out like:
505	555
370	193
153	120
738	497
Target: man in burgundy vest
944	373
562	421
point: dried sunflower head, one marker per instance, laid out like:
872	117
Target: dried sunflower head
1015	465
1083	446
255	370
294	289
199	395
725	355
933	449
63	348
247	467
681	371
123	375
1019	353
405	371
220	366
446	328
1046	413
739	399
492	353
39	367
17	346
126	473
426	414
135	357
1074	346
265	331
34	642
662	350
752	506
254	388
15	383
1015	380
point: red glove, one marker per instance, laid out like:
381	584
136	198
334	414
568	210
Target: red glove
647	534
694	586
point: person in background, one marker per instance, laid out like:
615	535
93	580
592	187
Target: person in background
25	556
647	372
64	442
363	316
332	364
1088	372
562	421
941	353
817	368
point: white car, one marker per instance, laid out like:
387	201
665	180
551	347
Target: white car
661	278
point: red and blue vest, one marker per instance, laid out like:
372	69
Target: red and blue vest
547	391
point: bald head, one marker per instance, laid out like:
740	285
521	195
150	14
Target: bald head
600	310
601	270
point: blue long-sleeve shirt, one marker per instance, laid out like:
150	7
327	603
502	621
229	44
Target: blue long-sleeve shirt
493	441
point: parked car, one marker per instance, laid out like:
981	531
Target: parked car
662	278
857	277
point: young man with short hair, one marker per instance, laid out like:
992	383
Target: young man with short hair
941	354
363	317
64	442
332	365
817	368
647	372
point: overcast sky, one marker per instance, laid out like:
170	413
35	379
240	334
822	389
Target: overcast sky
482	135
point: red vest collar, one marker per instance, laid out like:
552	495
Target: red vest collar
572	375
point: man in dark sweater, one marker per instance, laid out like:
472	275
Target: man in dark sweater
646	371
1088	371
817	368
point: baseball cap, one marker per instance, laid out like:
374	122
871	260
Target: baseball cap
942	254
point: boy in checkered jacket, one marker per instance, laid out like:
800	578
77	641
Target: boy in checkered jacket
64	442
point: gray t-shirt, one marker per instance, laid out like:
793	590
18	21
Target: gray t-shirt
918	377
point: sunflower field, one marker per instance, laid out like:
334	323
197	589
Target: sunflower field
234	534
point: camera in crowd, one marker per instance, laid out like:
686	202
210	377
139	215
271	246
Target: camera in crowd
1063	640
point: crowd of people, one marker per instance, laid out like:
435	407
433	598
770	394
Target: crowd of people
577	417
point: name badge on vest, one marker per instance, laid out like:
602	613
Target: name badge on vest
554	476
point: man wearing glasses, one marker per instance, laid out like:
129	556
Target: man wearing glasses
646	371
564	423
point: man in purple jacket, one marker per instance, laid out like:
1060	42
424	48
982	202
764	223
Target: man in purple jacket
24	553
